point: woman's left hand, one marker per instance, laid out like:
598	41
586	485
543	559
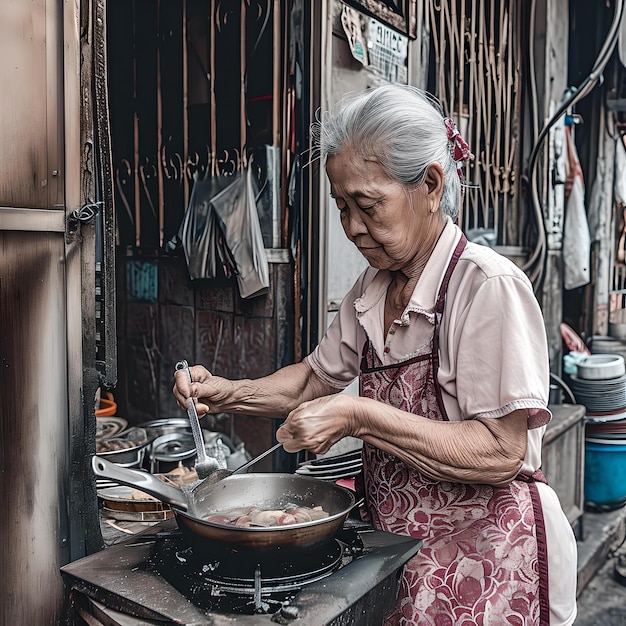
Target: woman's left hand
318	424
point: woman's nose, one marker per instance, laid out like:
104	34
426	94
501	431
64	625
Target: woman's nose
353	224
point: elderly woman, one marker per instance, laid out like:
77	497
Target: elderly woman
448	342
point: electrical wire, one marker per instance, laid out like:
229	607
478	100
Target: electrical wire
536	264
564	387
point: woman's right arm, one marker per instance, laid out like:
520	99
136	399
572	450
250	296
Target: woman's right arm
271	396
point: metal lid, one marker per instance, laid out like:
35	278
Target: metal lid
173	447
167	425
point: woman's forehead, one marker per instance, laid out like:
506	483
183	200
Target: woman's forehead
362	188
357	176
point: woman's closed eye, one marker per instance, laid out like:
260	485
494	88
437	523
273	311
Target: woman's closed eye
342	205
366	207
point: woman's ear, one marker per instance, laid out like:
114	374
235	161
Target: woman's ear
434	185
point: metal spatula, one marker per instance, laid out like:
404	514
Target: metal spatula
205	465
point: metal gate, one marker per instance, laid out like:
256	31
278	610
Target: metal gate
476	46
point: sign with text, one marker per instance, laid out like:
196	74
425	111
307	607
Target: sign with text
387	51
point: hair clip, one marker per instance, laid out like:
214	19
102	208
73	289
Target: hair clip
459	148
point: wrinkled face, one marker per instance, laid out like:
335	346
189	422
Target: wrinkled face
388	224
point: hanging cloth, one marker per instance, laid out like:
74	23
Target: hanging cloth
601	224
619	197
221	233
200	233
576	237
619	177
236	209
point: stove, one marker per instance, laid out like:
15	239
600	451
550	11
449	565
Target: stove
157	578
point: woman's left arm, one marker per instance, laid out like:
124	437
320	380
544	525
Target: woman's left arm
500	359
487	450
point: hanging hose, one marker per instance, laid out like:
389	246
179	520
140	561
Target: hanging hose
563	386
535	266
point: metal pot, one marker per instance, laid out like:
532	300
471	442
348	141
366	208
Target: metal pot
167	451
126	457
135	440
267	491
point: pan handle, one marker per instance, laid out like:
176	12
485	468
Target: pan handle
144	481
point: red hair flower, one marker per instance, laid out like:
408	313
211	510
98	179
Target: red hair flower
458	146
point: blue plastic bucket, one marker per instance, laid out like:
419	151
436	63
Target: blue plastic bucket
605	472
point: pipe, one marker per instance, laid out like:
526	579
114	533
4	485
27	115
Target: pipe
539	254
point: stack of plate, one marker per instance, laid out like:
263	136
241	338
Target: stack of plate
607	429
600	385
333	468
608	345
604	396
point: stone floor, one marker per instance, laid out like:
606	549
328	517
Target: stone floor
603	601
602	598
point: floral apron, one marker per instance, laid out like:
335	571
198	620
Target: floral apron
484	559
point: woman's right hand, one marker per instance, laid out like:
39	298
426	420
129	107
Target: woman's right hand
211	392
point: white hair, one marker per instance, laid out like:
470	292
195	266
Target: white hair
402	128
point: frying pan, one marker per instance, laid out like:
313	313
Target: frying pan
266	491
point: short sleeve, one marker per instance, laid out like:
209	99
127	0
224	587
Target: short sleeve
336	359
502	359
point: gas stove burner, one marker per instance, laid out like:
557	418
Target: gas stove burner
240	575
243	583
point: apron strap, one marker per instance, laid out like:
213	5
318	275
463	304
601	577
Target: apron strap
536	477
456	255
542	542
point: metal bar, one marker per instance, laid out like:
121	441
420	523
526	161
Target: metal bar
449	16
136	185
461	96
160	199
436	36
480	132
435	33
276	65
243	157
185	63
505	104
280	218
506	140
106	195
472	198
441	56
489	88
212	89
492	101
287	107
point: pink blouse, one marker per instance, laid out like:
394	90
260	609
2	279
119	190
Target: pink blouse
493	349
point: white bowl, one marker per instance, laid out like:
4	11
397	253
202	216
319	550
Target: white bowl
601	367
617	330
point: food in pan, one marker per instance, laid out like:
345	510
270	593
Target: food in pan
246	517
